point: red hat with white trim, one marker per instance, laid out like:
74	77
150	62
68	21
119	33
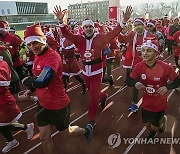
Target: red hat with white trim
151	43
87	22
4	25
34	33
141	20
151	22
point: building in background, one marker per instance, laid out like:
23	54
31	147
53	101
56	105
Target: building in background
92	10
21	14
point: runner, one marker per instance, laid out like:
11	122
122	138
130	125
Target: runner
54	104
152	77
90	45
9	111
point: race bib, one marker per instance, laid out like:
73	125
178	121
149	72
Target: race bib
150	90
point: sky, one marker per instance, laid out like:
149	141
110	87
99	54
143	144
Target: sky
64	3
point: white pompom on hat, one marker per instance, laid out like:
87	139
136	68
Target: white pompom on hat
87	22
34	33
151	43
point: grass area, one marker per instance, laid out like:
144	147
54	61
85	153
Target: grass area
20	33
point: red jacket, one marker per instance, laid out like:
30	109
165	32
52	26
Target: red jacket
52	43
176	39
13	43
134	41
91	50
9	111
70	64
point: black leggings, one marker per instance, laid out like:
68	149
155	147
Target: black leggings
176	58
77	77
135	91
135	95
6	130
81	81
65	81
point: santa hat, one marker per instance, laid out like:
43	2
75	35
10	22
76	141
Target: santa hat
34	33
87	22
4	25
151	43
141	20
151	22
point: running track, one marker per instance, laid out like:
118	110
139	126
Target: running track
115	118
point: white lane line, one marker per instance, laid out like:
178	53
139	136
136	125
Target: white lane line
143	129
70	89
29	109
138	136
81	116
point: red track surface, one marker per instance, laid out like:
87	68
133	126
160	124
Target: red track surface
113	119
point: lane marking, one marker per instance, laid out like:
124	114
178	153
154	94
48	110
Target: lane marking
144	128
70	89
123	87
78	118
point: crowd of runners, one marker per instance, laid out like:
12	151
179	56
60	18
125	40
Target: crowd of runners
48	55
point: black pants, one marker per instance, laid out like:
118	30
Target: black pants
6	130
77	77
169	46
176	58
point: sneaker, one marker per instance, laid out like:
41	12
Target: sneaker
30	131
163	124
10	146
89	132
111	81
103	102
150	137
133	108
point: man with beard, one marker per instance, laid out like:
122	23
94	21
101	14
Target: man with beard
90	45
